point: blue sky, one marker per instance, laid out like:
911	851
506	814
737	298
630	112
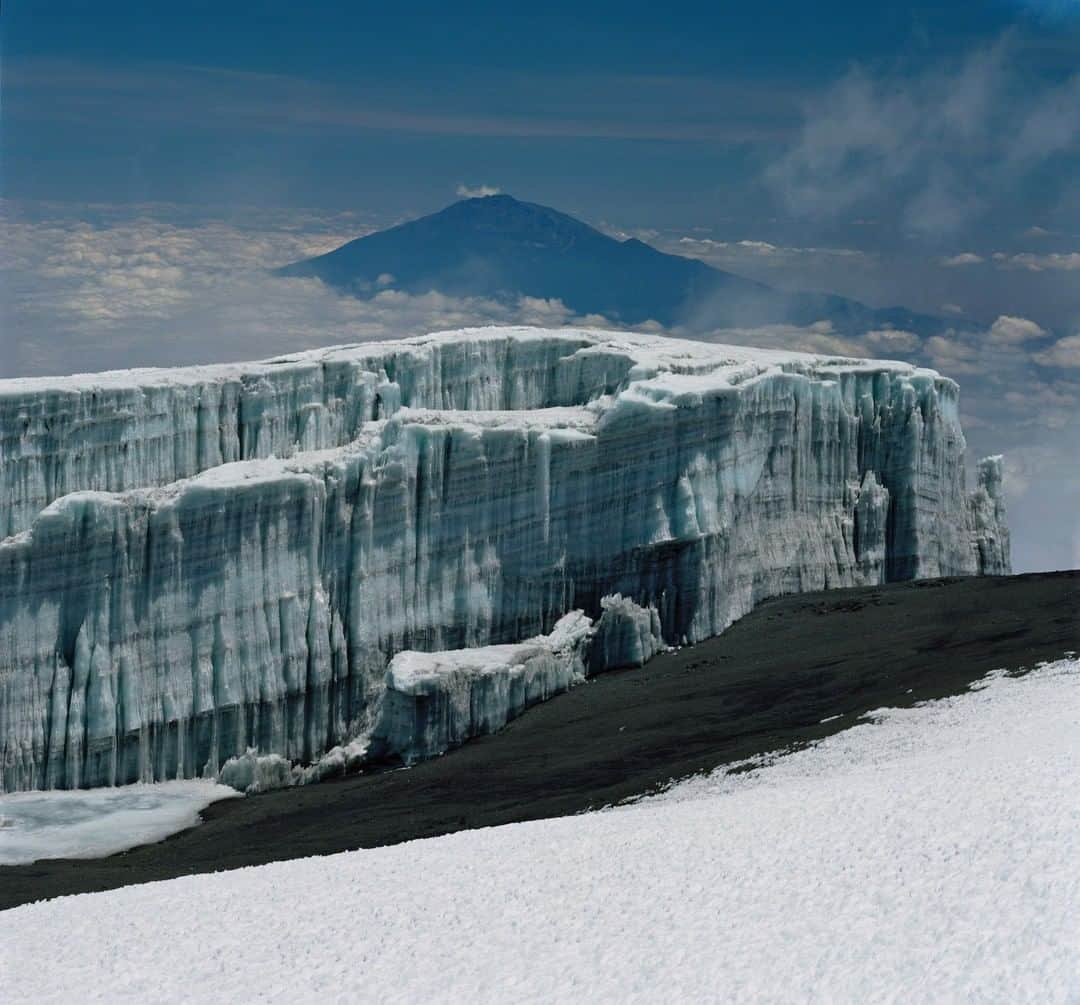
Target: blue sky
155	158
653	115
674	119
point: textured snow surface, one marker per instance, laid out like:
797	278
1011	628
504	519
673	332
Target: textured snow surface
99	822
208	560
930	855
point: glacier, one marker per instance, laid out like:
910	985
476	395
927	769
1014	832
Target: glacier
436	701
627	635
202	561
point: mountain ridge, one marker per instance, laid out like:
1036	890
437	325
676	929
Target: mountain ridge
502	248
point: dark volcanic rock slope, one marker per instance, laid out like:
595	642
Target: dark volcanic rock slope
767	682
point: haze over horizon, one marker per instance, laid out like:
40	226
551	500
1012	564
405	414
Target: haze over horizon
153	170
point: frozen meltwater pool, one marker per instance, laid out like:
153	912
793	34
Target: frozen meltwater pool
93	823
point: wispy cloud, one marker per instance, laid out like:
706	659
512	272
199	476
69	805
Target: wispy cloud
477	192
748	252
1053	262
567	105
1054	10
945	146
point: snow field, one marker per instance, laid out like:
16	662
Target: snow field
926	855
92	823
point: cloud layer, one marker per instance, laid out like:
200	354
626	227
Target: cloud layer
142	291
110	288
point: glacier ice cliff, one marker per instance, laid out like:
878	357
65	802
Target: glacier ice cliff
206	560
436	701
626	635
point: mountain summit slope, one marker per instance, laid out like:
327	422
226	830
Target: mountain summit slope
501	248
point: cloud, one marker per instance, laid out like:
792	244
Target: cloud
1052	10
816	338
938	149
1063	353
83	296
746	251
1035	232
1050	127
545	103
480	192
150	286
1019	394
892	340
1053	262
953	356
1015	330
965	258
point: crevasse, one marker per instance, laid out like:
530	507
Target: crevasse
207	560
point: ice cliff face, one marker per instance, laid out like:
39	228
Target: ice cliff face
626	635
212	559
436	701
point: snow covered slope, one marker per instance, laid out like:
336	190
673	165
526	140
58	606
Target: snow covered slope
461	489
932	855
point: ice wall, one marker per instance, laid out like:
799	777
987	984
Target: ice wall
989	524
136	428
626	635
436	701
464	489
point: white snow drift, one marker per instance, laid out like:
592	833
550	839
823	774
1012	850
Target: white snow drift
210	559
99	822
929	855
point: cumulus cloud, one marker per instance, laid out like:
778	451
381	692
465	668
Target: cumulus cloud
1013	330
1063	353
964	258
479	192
892	340
953	356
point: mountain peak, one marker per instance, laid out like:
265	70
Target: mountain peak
503	206
490	197
500	247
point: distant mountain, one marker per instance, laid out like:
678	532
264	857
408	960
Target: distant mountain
501	248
